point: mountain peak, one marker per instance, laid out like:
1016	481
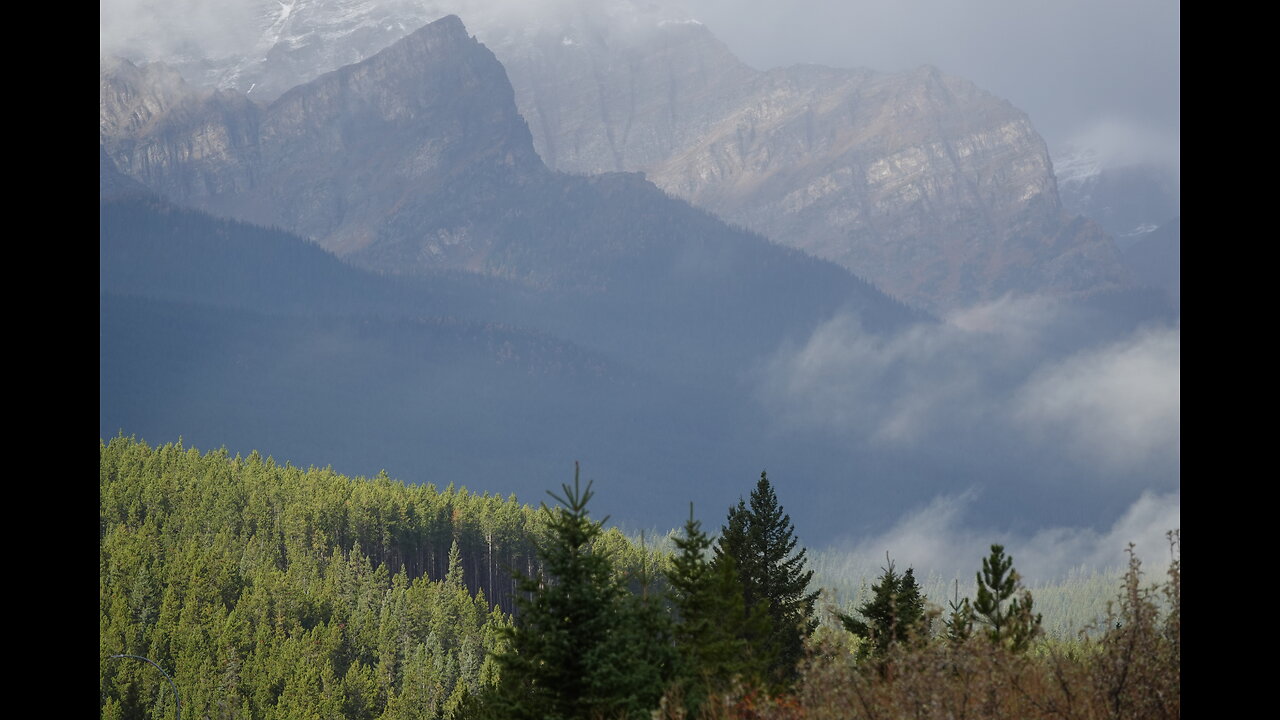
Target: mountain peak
449	22
449	28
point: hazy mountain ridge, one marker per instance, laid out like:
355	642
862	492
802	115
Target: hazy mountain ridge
1129	199
225	333
706	315
935	190
330	159
1137	201
416	160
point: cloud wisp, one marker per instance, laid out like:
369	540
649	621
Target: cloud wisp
1009	372
937	540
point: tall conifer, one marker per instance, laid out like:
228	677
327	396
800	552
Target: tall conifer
574	649
772	575
1008	617
711	618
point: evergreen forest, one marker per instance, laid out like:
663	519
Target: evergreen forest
264	590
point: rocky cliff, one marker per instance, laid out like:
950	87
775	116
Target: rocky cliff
336	159
417	160
935	190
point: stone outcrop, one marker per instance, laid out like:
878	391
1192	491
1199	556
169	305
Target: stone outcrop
937	191
333	159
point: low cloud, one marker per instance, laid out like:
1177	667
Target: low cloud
1017	415
152	29
901	388
936	539
1117	141
1119	404
1008	371
213	29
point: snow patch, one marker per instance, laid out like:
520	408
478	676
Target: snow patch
1077	166
1142	229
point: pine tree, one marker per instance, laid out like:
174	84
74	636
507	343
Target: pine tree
646	640
761	540
710	617
960	623
1012	625
572	652
894	614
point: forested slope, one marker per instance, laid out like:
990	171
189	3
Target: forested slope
270	591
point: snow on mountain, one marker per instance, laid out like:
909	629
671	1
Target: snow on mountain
1076	165
1129	197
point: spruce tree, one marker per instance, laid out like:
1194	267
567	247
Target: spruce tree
573	649
761	540
959	623
894	614
711	619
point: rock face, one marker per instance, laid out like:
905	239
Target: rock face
332	160
935	190
417	160
174	138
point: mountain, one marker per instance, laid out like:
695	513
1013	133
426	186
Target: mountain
1137	202
933	189
417	161
1155	259
496	319
504	318
225	333
113	184
332	159
1128	199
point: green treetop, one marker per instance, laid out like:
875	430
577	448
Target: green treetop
999	606
761	540
574	649
894	614
711	619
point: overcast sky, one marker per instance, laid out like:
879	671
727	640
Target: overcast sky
1097	68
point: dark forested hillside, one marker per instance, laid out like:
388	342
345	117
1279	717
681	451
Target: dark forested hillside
230	334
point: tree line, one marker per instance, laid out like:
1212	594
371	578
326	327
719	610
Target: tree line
269	591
